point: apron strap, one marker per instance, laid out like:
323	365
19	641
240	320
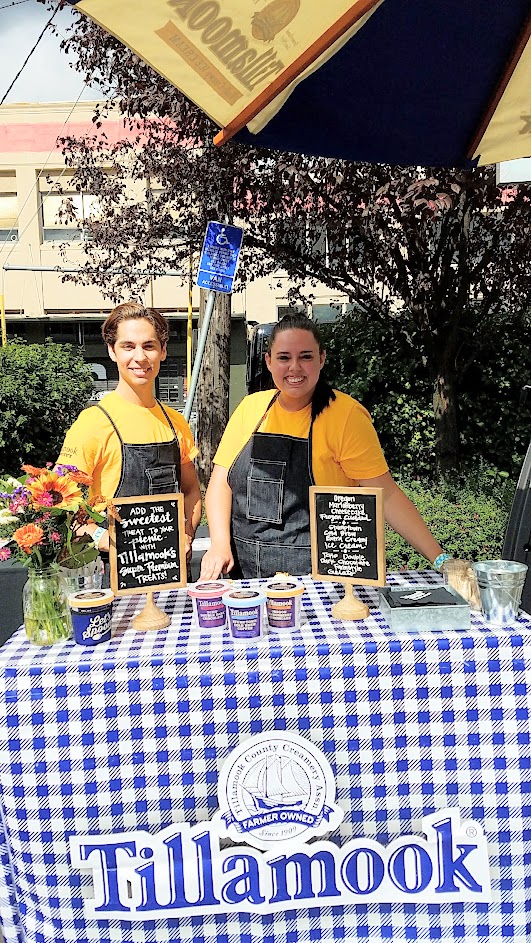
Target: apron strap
168	418
112	422
310	452
260	421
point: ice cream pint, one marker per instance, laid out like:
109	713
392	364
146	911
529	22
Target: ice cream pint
91	615
245	609
209	606
283	602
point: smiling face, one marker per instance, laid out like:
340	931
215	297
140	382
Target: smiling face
138	354
295	363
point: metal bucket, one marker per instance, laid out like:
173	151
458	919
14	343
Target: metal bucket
500	585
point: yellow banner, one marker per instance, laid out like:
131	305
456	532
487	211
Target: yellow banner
221	53
508	133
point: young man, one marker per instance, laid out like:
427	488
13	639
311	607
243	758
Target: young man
130	444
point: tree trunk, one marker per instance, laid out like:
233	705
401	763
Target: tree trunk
212	401
445	412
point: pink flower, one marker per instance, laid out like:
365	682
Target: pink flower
55	537
46	499
5	553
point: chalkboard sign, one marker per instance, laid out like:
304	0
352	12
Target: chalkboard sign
147	548
347	535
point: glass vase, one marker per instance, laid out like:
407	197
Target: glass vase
47	617
87	577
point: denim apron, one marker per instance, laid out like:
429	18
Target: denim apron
269	480
154	468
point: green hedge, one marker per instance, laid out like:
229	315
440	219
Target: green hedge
467	518
43	387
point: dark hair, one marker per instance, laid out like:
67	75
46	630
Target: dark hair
131	310
323	393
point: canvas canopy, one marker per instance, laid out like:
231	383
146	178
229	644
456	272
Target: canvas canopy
392	81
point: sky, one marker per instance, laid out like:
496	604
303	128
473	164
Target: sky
48	75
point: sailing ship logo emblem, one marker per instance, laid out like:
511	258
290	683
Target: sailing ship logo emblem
276	787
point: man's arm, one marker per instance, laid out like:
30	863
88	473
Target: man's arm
81	448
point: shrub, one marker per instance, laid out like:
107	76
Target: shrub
43	387
379	364
468	519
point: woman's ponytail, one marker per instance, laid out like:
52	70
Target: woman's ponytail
323	395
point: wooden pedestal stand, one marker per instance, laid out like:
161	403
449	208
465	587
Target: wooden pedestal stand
350	607
151	616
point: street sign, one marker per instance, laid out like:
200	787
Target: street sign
219	258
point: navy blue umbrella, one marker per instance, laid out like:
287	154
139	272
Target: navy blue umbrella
415	85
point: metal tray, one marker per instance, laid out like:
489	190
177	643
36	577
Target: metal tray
455	614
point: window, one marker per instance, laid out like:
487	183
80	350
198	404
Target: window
92	331
63	332
171	382
56	228
283	310
56	188
8	217
326	314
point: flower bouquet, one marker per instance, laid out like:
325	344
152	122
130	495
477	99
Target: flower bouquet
42	525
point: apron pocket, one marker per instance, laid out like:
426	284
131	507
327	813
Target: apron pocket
162	480
265	491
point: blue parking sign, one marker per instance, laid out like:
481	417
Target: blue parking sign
219	258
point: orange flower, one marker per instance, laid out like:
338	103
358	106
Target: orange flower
28	536
80	477
32	470
51	490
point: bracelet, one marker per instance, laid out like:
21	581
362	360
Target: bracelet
97	535
442	558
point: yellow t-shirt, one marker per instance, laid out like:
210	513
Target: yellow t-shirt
345	446
92	445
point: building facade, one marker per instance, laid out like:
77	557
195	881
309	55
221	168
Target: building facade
41	303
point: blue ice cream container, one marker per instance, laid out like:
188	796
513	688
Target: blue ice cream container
245	610
91	615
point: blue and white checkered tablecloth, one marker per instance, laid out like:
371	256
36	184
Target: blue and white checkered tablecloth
132	734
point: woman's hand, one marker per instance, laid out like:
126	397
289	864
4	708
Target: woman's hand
89	530
103	542
216	562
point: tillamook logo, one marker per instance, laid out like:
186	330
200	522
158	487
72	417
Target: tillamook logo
275	788
227	44
183	870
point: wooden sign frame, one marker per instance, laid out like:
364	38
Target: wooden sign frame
178	497
380	536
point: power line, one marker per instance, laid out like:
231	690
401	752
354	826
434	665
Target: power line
14	4
28	57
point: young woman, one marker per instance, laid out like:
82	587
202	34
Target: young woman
130	444
275	446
